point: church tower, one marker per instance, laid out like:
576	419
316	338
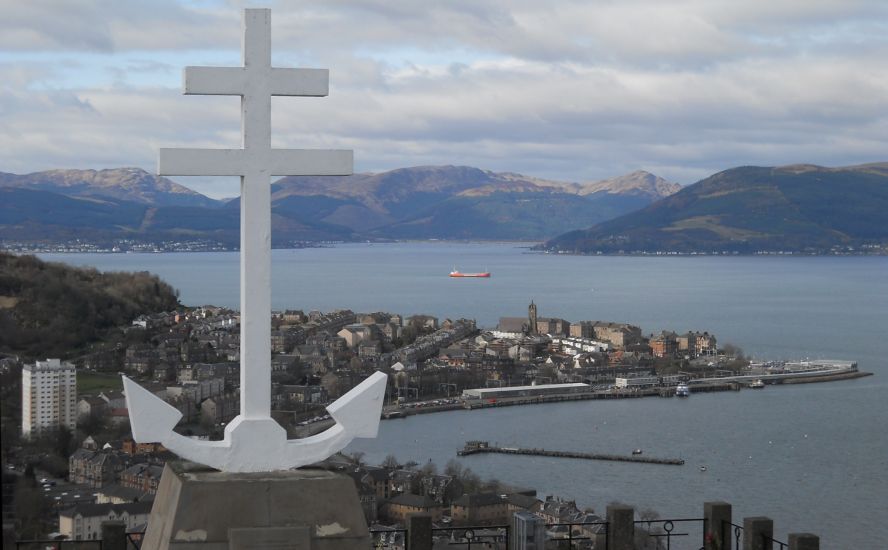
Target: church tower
532	318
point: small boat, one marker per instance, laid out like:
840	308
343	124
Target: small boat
702	468
682	390
636	452
757	384
482	275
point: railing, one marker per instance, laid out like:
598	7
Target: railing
620	530
570	539
782	545
737	532
664	529
388	539
58	544
478	536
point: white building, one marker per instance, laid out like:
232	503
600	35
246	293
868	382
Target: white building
84	522
49	396
526	391
637	382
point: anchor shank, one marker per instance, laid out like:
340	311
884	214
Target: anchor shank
255	375
255	296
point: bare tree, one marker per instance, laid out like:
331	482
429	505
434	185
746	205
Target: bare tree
390	462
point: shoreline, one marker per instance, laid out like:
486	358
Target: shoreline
532	246
397	414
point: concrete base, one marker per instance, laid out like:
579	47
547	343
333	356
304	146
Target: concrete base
200	508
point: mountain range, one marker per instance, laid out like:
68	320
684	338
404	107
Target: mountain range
749	209
443	202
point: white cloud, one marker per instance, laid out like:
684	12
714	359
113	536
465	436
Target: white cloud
573	90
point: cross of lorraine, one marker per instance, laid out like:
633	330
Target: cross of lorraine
253	441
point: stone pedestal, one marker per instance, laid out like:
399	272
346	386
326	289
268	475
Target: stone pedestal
113	535
718	525
419	531
803	541
198	508
757	533
620	527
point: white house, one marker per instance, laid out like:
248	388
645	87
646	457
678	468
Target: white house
84	521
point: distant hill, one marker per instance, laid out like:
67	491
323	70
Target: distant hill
42	216
748	209
127	184
55	310
31	215
460	202
636	184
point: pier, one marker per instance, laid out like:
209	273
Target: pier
480	447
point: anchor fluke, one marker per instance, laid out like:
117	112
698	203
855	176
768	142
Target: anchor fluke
152	419
359	409
258	444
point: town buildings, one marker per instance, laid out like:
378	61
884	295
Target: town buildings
479	509
84	521
143	477
49	396
398	508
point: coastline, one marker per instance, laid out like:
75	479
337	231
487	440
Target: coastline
531	246
393	413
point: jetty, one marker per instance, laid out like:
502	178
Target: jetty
481	447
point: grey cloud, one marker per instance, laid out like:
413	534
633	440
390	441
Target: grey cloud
53	25
643	32
110	25
569	90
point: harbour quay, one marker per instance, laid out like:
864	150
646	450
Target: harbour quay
526	391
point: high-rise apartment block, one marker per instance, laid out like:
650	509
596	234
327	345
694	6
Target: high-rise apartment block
49	396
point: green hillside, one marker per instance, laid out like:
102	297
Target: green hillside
749	209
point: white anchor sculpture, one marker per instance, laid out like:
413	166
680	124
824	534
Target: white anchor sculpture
253	441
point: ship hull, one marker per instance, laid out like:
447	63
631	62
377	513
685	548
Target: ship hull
457	274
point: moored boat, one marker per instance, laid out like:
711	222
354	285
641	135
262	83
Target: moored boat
682	390
757	384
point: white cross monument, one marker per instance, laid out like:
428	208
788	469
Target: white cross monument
254	442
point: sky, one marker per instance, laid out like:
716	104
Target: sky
569	90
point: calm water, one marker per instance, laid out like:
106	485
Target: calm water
812	457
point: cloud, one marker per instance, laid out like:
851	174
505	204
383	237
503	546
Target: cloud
110	25
570	90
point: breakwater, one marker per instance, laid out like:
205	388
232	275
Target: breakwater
828	378
481	447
